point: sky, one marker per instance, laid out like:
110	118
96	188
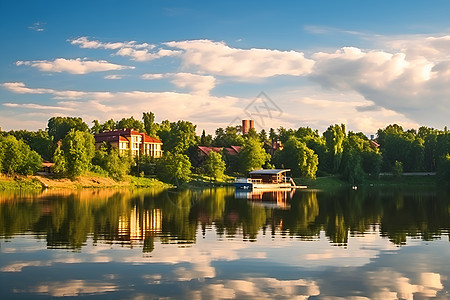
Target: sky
366	64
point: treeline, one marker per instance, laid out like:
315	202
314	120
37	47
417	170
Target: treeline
69	143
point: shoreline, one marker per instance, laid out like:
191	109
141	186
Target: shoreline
41	182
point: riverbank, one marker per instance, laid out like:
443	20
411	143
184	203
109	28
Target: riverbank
333	182
52	182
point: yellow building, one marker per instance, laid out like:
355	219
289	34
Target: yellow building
130	141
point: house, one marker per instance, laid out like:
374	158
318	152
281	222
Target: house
201	152
130	141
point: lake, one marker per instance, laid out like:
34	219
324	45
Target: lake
224	244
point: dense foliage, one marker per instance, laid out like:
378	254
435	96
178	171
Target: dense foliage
69	143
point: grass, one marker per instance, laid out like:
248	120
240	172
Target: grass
19	182
147	182
333	182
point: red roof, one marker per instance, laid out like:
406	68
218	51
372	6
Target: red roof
148	139
206	150
233	150
121	135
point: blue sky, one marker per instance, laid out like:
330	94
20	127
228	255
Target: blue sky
318	62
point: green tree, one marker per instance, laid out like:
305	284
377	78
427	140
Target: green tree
78	148
108	158
180	137
17	157
205	140
151	128
58	127
60	161
397	169
443	171
214	165
228	137
174	168
334	136
38	141
296	156
130	123
252	155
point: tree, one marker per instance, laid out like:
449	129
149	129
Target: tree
252	155
228	137
214	165
205	140
334	137
174	168
180	137
397	169
130	123
58	127
78	148
296	156
108	158
150	127
443	171
60	161
17	157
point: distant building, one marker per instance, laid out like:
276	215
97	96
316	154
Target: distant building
247	125
203	151
130	141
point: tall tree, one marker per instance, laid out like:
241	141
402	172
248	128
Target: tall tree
58	127
78	148
151	128
205	140
299	158
174	168
130	123
214	165
181	136
334	136
252	155
17	157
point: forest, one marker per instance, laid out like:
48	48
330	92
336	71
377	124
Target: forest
69	143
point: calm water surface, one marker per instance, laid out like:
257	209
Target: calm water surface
218	244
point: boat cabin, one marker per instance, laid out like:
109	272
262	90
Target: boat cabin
269	176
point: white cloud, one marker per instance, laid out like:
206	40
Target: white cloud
113	77
199	84
73	66
219	59
37	26
133	50
152	76
414	85
35	106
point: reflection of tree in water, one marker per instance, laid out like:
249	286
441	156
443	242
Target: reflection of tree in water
143	217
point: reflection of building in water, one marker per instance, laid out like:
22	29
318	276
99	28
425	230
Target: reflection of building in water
138	225
270	198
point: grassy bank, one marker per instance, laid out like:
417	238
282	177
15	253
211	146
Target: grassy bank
19	182
88	181
333	182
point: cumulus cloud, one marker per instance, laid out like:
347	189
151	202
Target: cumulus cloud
416	86
133	50
219	59
197	84
73	66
